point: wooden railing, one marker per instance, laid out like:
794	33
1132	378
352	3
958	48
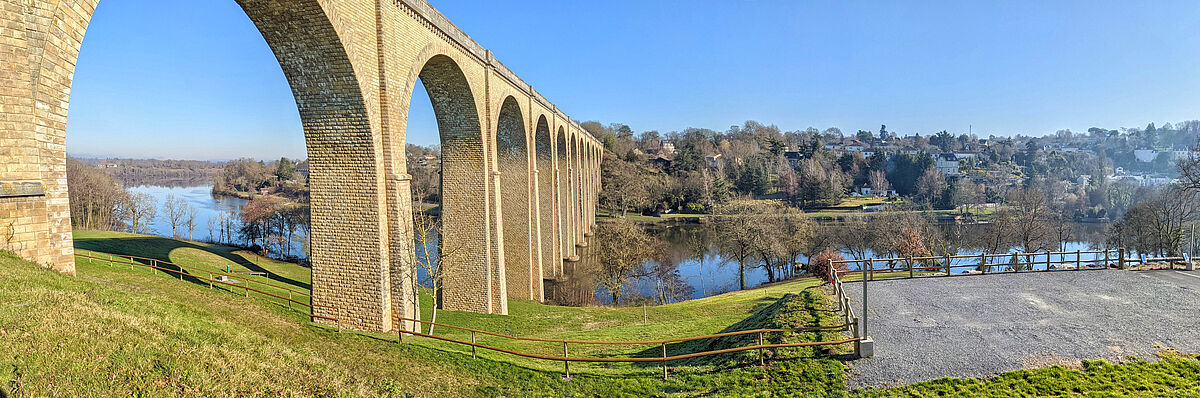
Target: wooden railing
156	265
858	331
566	358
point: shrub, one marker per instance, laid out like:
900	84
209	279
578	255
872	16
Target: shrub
819	264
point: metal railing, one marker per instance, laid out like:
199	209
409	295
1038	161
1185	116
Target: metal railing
988	262
156	265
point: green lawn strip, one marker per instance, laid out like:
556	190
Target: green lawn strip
208	258
1172	375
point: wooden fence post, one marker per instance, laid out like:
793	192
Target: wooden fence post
664	360
910	267
473	346
870	269
947	264
1078	259
567	364
1121	258
983	262
762	357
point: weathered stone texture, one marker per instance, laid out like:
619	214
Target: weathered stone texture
511	209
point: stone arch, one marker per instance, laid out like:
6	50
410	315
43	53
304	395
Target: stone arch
334	109
547	198
522	274
464	237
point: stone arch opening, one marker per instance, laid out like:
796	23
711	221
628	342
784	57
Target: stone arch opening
563	170
577	181
462	239
547	198
523	274
333	111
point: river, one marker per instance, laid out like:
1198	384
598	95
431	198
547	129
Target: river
208	207
700	269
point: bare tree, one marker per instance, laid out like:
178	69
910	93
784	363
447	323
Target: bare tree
212	224
1156	225
141	211
623	247
431	253
698	244
174	209
879	182
797	238
1189	171
189	219
768	247
736	240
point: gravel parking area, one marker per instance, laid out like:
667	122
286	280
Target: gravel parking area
980	325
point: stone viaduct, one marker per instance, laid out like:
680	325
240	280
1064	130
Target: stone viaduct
519	177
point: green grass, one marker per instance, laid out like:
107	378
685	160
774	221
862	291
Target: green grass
214	259
110	331
1173	375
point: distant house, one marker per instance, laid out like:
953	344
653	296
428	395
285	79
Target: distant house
1145	155
793	157
965	155
853	145
668	147
1083	179
661	161
712	161
107	165
947	164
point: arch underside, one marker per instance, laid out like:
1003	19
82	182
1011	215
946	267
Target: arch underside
332	56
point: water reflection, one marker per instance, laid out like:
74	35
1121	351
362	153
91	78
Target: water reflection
707	272
697	264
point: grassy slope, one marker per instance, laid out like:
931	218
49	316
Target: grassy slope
526	318
110	331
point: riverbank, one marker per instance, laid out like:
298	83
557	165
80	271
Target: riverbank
854	207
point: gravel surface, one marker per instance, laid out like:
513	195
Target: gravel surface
980	325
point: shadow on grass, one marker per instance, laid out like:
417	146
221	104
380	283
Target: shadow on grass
160	249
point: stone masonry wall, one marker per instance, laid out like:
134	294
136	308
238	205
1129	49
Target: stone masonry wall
352	66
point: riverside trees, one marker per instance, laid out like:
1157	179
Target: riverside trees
622	249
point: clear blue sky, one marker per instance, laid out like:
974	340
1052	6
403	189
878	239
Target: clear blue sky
194	79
